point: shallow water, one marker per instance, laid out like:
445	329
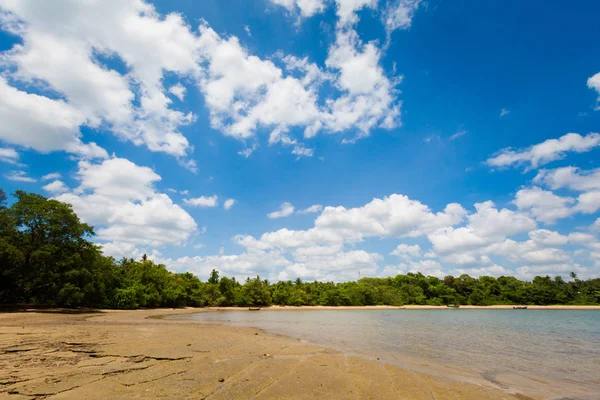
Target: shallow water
553	353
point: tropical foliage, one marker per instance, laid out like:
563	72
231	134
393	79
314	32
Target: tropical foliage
47	258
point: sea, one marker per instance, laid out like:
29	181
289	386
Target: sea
554	354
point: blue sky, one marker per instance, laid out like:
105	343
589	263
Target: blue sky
433	136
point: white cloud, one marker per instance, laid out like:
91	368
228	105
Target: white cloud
302	151
240	265
529	272
9	156
546	256
19	176
581	238
545	152
545	237
280	135
588	202
407	251
393	216
482	246
368	98
399	14
426	267
346	10
315	208
544	205
25	115
569	177
202	201
307	8
118	197
61	50
65	53
178	91
504	112
338	266
458	134
228	204
245	93
488	221
594	83
286	209
51	176
247	29
247	152
577	180
56	187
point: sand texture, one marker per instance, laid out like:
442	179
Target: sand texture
132	355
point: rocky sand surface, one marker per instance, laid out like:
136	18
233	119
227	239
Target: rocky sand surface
135	355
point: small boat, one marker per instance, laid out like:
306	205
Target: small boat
453	305
253	308
520	308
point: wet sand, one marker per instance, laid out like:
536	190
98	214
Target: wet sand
136	355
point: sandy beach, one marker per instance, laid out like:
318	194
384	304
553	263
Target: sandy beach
137	354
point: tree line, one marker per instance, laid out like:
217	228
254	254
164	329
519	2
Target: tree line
47	258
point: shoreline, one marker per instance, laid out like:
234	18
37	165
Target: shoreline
123	354
408	307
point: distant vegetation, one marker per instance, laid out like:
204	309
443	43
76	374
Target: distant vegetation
47	258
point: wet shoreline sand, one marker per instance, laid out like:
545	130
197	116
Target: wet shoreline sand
137	354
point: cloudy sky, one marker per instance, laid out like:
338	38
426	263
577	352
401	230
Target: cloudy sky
319	139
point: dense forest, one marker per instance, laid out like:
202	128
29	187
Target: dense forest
47	258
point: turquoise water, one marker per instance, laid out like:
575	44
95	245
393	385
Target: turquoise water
553	353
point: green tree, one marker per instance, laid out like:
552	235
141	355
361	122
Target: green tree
257	293
214	277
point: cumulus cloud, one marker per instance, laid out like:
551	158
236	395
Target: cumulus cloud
178	91
315	208
594	83
306	8
56	187
407	251
529	272
228	204
569	177
202	201
545	152
66	53
399	14
393	216
25	115
62	51
239	266
338	266
285	210
118	197
574	179
544	205
475	243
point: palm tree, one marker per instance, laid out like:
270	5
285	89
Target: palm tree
573	276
